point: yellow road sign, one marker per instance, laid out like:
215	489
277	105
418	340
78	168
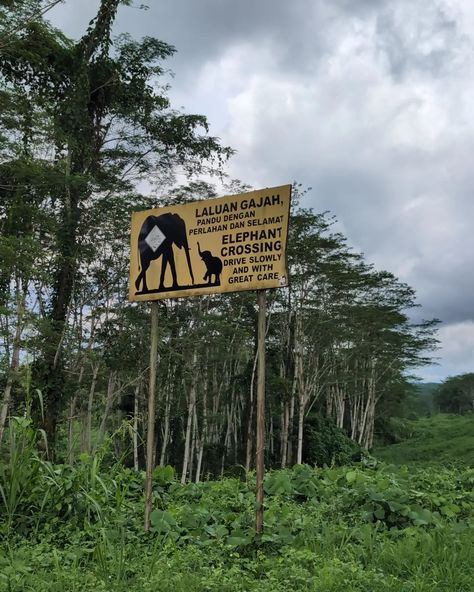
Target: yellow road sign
219	245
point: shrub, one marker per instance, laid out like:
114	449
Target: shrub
326	444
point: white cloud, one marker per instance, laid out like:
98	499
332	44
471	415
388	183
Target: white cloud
456	353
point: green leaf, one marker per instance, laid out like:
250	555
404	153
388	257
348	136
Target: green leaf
238	541
395	506
421	517
162	521
450	510
239	538
379	513
278	483
351	476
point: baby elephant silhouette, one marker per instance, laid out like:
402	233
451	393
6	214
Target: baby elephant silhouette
213	266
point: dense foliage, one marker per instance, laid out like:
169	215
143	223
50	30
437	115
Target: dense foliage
368	526
83	123
456	394
325	443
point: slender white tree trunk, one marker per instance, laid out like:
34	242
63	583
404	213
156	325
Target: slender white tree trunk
136	412
193	445
299	453
289	456
166	427
108	404
200	455
70	430
340	406
250	431
191	404
285	419
15	362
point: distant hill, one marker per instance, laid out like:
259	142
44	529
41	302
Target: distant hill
427	388
423	401
442	439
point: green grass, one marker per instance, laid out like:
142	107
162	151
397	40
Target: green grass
347	560
438	439
369	527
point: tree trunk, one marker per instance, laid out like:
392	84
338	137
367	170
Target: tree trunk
340	405
289	456
167	411
203	438
200	455
271	444
285	420
15	362
193	445
50	373
108	405
299	453
70	428
191	404
299	382
135	424
250	431
166	426
88	420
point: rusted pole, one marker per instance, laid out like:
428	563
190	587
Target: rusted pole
260	453
150	439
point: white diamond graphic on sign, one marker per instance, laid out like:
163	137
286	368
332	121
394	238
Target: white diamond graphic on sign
155	238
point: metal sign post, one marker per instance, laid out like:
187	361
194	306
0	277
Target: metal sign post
151	416
260	452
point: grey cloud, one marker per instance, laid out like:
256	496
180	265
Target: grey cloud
300	33
367	101
417	37
202	31
427	248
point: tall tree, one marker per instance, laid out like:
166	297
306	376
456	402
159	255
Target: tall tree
107	125
456	394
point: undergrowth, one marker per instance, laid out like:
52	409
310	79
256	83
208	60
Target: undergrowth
440	439
367	527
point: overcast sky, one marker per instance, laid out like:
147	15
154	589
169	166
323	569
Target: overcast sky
369	102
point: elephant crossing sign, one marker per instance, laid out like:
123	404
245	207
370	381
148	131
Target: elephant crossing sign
219	245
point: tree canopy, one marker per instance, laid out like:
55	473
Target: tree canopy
456	394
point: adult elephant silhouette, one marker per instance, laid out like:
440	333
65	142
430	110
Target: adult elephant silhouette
157	236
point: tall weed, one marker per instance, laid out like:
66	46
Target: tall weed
20	473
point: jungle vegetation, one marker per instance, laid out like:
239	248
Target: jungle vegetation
84	126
